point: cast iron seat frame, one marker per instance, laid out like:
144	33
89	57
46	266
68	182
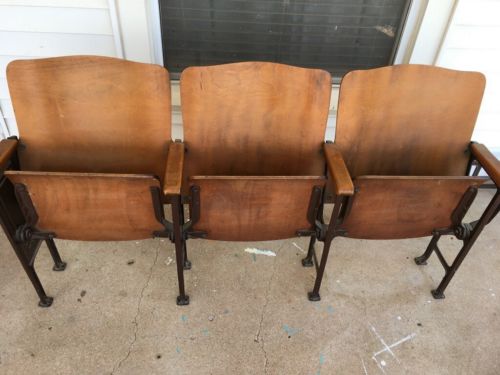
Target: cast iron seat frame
19	217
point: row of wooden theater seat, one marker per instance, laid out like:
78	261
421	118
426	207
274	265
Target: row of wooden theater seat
95	159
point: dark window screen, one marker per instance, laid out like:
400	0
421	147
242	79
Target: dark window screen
335	35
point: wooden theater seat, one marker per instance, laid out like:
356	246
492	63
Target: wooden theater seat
404	134
94	160
254	165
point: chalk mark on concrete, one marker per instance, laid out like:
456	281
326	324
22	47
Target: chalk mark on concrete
387	348
364	366
253	250
399	342
298	247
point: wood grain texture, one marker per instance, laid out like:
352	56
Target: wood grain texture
173	172
387	207
488	161
407	120
91	114
7	149
254	118
245	208
340	179
92	207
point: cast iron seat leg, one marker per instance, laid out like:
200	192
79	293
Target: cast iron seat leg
438	293
314	295
422	259
308	260
187	262
25	250
45	300
182	298
59	265
468	239
331	233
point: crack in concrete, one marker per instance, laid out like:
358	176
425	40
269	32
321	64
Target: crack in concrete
138	313
257	338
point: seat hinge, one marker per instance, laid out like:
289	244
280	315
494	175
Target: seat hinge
28	231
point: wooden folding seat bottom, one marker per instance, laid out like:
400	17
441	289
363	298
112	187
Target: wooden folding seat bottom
254	208
91	206
396	207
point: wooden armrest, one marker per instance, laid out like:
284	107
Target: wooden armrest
487	160
7	148
173	172
342	183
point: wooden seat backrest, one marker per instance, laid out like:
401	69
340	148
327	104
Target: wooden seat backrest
91	114
90	206
407	120
254	118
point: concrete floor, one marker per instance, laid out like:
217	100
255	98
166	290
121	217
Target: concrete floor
249	313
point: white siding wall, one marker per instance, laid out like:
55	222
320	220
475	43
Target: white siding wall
130	29
42	28
473	43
